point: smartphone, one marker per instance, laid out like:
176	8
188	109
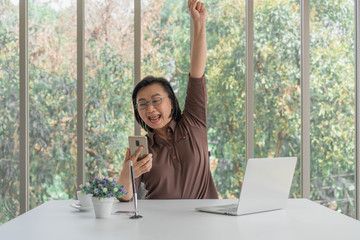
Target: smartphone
135	142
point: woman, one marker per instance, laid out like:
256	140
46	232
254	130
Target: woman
177	165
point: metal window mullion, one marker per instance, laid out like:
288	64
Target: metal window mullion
305	98
137	52
80	92
249	79
24	107
357	106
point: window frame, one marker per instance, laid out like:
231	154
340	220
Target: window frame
305	94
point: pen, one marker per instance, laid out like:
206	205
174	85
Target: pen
134	191
133	185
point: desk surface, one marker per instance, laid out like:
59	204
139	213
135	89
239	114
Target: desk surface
177	219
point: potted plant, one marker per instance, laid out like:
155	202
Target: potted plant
103	191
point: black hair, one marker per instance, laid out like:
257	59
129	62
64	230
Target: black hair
150	80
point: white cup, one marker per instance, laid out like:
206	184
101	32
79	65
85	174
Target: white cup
84	199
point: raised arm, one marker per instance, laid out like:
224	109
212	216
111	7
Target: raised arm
198	48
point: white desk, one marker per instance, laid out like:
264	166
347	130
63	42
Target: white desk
176	219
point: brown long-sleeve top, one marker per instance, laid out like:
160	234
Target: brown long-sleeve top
180	167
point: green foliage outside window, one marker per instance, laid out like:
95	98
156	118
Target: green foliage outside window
165	52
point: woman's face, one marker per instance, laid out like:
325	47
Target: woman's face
156	117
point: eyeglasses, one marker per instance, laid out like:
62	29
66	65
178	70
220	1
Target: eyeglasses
141	105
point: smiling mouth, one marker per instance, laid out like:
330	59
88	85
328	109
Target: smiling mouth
154	119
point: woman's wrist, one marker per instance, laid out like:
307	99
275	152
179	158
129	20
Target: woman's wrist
199	27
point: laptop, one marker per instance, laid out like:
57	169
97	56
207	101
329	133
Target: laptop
265	187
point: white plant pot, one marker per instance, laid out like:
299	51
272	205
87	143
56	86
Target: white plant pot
102	208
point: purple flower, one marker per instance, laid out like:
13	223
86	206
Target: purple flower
90	182
88	187
99	186
108	196
113	184
114	181
96	178
96	190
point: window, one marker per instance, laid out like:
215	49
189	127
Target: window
277	57
165	51
52	100
225	73
332	105
109	59
9	111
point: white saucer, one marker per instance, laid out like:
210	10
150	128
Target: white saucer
79	207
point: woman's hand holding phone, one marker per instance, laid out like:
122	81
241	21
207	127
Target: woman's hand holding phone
140	165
